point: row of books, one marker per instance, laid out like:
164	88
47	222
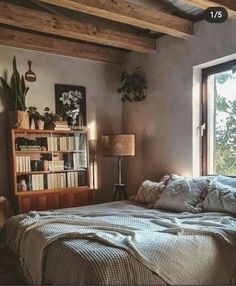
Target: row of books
51	181
29	148
75	179
79	160
56	181
37	182
56	165
23	164
61	125
66	144
70	143
73	161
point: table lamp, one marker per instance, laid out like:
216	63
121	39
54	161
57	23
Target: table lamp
119	145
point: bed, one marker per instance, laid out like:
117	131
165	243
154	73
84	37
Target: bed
124	243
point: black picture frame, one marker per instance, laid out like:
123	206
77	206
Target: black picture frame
60	88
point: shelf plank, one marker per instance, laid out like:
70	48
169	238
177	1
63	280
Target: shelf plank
50	191
47	152
47	131
48	172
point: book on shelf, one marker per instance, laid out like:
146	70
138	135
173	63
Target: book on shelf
38	182
70	144
68	161
82	177
29	148
56	181
79	160
61	126
23	164
52	143
62	129
77	179
79	142
66	143
56	165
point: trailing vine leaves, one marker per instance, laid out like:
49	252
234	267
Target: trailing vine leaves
133	86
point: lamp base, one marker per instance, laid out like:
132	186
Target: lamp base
119	191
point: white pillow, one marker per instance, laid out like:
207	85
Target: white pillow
203	182
220	198
165	178
149	192
183	195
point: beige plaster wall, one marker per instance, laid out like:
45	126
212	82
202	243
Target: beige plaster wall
104	108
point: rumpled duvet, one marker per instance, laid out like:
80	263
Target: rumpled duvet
178	248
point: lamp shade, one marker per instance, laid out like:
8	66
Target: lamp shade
118	145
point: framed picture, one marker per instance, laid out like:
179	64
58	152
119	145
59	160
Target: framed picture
69	97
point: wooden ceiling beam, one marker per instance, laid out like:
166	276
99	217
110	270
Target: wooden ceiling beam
26	40
44	22
229	5
129	13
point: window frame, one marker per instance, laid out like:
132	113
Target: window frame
204	110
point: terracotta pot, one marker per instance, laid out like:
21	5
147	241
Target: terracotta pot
19	119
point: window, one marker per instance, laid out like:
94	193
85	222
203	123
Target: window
218	128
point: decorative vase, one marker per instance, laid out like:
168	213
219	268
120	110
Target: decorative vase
40	124
32	124
19	119
45	165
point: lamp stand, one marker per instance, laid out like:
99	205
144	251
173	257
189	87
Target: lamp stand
93	168
119	189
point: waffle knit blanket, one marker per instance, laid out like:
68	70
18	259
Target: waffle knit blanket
180	248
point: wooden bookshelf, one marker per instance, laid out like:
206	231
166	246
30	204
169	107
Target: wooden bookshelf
62	182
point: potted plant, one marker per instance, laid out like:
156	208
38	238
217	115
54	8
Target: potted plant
50	118
133	86
15	94
36	119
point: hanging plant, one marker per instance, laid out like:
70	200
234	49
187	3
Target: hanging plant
133	86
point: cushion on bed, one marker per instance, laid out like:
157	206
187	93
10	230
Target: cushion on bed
204	181
220	198
228	181
149	192
165	179
183	194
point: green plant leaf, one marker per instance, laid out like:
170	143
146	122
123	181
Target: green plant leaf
6	87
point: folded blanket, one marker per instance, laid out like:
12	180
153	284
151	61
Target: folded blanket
180	248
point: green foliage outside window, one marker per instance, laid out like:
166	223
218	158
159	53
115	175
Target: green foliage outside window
225	144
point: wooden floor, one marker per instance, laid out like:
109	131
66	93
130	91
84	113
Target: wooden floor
9	268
